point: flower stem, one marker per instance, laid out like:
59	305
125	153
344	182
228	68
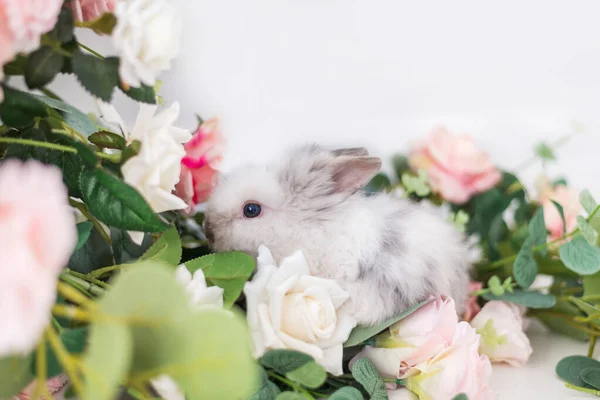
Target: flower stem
73	295
76	274
71	312
65	360
290	383
94	52
57	326
50	93
101	271
71	281
41	389
86	213
582	389
592	346
37	143
89	287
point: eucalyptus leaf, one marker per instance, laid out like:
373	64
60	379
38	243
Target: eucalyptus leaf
569	369
588	233
366	374
290	396
362	333
167	248
524	298
580	257
587	201
346	393
310	375
284	360
545	152
587	308
537	231
525	268
591	376
267	390
228	270
591	284
561	212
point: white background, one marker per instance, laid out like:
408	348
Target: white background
383	73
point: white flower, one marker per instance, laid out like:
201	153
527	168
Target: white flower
154	172
167	388
146	38
200	294
500	325
289	308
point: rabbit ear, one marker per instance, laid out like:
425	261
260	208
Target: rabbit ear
351	174
354	151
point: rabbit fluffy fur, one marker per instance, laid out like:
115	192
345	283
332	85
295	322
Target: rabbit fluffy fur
388	253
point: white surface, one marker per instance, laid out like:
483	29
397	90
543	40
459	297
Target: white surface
383	73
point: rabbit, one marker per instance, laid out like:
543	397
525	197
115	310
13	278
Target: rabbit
388	253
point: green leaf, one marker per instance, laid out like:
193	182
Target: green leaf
591	376
588	233
525	268
71	115
587	308
42	67
74	341
558	324
167	248
228	270
125	249
84	229
87	156
569	368
461	396
537	231
561	212
379	183
545	152
63	29
495	286
418	185
290	396
580	257
98	76
587	201
94	254
107	140
15	374
310	375
591	284
16	66
284	360
346	393
400	164
19	109
117	204
366	374
143	94
267	390
103	24
527	299
108	357
362	333
131	151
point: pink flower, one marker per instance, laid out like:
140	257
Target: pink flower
457	369
457	169
568	198
472	305
415	339
28	20
6	50
89	10
198	167
500	325
54	385
37	237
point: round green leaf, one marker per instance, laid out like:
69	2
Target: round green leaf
366	374
290	396
527	299
167	248
537	231
284	360
525	267
346	393
580	257
117	204
587	201
42	67
267	390
311	375
588	232
569	368
591	376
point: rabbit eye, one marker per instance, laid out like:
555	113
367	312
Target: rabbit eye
252	210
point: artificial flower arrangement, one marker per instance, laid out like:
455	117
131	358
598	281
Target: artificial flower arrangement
109	287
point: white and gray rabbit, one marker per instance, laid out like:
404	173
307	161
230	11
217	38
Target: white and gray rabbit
388	253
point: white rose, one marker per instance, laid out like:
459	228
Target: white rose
289	308
146	38
500	325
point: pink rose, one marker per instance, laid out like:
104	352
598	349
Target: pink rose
500	325
457	369
37	237
6	50
89	10
457	169
54	385
472	306
415	339
568	198
28	20
198	167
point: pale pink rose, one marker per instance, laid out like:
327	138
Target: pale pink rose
28	20
415	339
500	325
457	169
54	385
199	165
89	10
6	48
472	306
37	237
568	198
457	369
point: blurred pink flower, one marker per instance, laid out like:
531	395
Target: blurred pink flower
89	10
37	237
28	20
54	385
568	198
198	167
472	305
6	50
457	169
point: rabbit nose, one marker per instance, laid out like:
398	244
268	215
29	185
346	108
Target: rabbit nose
208	231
